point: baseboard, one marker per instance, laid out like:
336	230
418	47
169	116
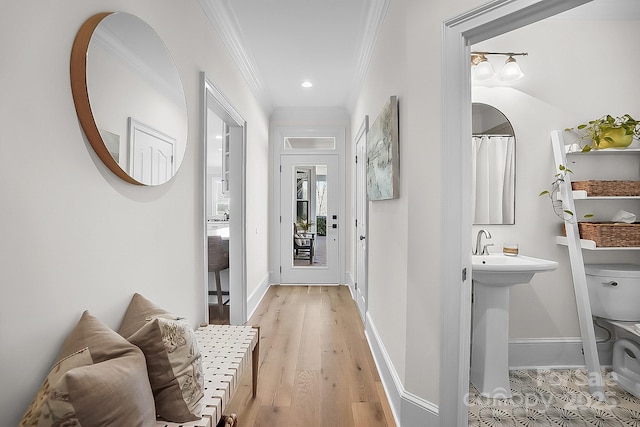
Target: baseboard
553	353
351	283
408	409
256	296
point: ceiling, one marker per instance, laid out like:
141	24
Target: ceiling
609	10
278	44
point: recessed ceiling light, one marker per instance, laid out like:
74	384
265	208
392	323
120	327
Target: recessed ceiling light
306	84
218	136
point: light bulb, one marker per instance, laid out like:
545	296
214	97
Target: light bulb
511	71
484	69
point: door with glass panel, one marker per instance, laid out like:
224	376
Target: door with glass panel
309	227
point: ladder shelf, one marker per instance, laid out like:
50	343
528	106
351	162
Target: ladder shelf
591	245
575	245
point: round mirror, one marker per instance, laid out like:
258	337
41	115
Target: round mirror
493	166
129	98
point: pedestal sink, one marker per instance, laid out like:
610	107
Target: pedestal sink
492	276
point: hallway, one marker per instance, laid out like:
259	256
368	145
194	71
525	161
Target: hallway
316	368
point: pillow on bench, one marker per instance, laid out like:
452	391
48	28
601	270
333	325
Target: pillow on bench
173	358
98	379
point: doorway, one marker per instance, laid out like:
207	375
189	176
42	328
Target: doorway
459	34
224	204
360	291
310	218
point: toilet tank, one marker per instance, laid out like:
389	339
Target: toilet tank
614	291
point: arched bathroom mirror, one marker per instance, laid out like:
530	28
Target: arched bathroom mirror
129	98
493	166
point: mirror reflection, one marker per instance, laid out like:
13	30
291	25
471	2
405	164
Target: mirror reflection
493	166
137	112
310	228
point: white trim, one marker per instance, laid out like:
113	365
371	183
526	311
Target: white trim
136	128
364	127
237	245
553	353
407	408
223	20
489	20
358	195
375	19
348	280
276	136
256	297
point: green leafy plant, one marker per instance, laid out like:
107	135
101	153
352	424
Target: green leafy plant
303	224
322	225
552	193
606	130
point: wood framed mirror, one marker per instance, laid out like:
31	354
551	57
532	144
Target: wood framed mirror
129	98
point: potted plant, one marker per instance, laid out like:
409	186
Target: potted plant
304	224
608	132
554	191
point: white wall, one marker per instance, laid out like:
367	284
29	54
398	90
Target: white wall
569	80
73	236
404	234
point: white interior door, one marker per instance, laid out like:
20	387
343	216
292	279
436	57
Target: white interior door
309	194
361	224
152	154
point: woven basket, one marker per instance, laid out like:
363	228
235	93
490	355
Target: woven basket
610	234
608	188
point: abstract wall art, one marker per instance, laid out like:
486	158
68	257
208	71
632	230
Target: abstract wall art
383	157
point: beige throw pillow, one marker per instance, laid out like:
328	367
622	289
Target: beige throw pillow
99	379
173	358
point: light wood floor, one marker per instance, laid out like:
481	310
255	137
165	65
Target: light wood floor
315	365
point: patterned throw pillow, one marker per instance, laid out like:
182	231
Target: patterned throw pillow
174	361
98	379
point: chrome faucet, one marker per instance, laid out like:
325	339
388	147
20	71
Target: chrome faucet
482	250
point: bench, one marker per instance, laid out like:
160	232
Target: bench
226	352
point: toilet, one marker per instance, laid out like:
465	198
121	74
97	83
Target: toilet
614	294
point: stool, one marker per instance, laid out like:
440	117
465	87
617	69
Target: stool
218	260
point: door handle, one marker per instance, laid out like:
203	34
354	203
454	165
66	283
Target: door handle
362	237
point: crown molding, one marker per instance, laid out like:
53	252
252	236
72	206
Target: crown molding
224	21
372	27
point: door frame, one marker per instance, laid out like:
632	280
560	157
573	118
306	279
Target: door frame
458	34
360	283
309	274
213	99
278	133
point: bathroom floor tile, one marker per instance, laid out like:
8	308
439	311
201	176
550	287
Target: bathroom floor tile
554	398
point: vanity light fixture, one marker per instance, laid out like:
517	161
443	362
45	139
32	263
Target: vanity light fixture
482	70
511	70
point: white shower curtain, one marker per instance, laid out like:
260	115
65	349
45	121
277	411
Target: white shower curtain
493	167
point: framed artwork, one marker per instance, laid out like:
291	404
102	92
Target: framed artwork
383	157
